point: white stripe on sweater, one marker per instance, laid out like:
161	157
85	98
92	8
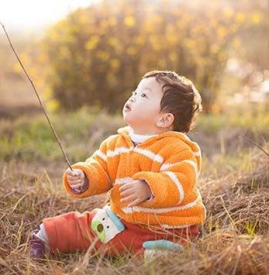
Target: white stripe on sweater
174	178
192	163
101	155
140	209
166	166
123	150
118	151
149	154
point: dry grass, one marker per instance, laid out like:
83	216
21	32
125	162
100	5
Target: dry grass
234	238
239	200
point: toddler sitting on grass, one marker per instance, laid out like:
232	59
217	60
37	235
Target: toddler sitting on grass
151	169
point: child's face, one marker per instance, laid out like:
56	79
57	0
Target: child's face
142	109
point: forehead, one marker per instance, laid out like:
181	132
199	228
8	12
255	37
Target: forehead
150	83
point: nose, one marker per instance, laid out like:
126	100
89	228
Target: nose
132	99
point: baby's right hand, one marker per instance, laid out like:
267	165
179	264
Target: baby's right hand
76	178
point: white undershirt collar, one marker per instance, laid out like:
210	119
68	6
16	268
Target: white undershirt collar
139	138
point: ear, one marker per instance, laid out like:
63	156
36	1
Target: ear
165	120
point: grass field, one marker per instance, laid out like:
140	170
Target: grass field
234	184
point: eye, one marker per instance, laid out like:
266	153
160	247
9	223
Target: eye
134	93
143	95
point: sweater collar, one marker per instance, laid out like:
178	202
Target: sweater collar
127	130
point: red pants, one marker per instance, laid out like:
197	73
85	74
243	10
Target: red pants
72	231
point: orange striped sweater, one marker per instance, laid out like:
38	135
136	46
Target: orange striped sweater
169	162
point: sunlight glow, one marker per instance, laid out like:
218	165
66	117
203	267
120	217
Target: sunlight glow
31	14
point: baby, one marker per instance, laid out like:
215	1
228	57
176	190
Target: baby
151	169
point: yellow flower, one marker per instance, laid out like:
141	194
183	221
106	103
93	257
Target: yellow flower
129	21
255	18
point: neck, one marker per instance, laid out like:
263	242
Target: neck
149	132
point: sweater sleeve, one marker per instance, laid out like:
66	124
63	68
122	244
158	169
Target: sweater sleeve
95	169
175	183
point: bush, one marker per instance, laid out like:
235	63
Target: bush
99	54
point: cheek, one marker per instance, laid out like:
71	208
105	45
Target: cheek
151	110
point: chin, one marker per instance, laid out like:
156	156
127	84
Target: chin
128	122
126	119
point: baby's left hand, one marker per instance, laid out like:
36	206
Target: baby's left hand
135	192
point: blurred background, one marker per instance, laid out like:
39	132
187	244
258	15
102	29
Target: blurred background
94	53
85	57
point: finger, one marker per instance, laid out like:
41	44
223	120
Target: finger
126	186
76	186
129	198
72	174
134	203
126	193
69	172
71	177
75	181
77	173
74	177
